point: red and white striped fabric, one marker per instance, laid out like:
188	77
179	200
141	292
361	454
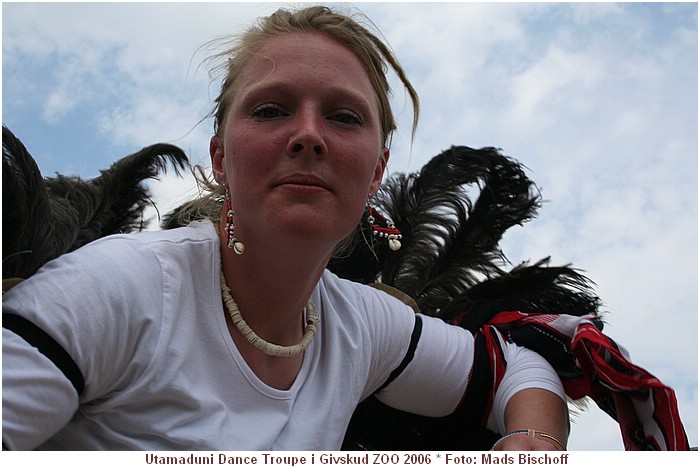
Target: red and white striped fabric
590	364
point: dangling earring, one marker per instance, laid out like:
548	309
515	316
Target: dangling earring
389	232
233	243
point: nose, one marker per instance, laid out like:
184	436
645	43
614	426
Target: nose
307	136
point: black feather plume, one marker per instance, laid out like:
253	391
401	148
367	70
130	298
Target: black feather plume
450	242
110	203
537	288
25	211
456	238
47	217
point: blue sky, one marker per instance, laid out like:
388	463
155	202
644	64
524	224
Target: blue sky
598	100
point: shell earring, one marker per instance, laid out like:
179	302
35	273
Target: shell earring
390	232
233	243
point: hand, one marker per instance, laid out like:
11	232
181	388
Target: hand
523	442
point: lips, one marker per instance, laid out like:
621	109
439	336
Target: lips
301	181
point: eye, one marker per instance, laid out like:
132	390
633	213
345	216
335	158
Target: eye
347	117
268	111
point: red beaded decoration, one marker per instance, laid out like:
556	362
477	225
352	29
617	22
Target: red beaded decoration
389	232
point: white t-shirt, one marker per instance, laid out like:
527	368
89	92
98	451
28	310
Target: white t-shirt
140	317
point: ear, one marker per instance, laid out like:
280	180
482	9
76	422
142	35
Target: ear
216	151
379	171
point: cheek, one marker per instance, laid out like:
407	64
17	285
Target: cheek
360	174
247	157
243	175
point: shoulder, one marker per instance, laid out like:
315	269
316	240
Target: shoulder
363	295
128	252
198	232
381	314
118	295
117	271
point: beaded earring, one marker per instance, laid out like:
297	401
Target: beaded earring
233	243
389	232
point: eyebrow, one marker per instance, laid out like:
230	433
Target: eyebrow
336	91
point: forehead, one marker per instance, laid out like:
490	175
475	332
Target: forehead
311	57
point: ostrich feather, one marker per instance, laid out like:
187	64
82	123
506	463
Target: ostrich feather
46	217
450	242
537	288
25	210
456	238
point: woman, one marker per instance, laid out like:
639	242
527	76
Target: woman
231	334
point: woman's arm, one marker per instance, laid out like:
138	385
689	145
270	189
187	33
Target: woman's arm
529	394
530	404
37	398
535	419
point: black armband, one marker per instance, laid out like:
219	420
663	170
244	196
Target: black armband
415	336
47	346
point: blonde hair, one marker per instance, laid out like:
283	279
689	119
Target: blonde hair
372	52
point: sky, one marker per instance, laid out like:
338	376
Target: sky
598	100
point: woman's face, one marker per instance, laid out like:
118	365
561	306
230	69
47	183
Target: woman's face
301	146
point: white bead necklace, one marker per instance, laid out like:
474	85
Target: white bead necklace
266	347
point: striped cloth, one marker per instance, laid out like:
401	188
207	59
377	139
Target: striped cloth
589	364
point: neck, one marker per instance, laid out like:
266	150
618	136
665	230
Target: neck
270	349
272	286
